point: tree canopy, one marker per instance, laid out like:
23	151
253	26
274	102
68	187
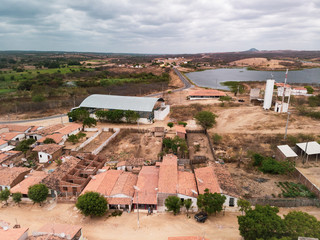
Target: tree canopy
173	203
206	119
92	204
49	140
17	197
38	193
211	202
78	114
4	195
244	205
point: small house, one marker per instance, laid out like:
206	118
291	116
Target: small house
181	131
65	231
48	152
9	177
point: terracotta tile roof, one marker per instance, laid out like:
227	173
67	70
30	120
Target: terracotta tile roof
2	141
300	88
57	137
187	183
225	180
119	201
282	85
124	184
34	128
48	130
180	128
48	148
9	135
188	238
9	156
103	183
52	181
13	233
168	174
45	237
148	184
8	175
121	164
207	92
69	230
206	178
135	161
33	178
15	128
69	128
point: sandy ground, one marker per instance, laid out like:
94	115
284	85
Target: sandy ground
202	140
312	173
158	226
97	141
70	145
260	62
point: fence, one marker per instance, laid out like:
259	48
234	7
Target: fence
285	202
99	149
305	181
89	140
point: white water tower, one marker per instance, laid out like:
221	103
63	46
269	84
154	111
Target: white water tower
268	94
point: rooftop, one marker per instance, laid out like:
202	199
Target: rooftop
180	128
69	128
48	130
287	151
12	233
31	179
148	184
168	174
57	137
8	175
9	156
15	128
9	135
69	230
207	92
310	148
187	184
48	148
139	104
3	141
206	178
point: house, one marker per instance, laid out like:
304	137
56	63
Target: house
10	158
14	233
39	133
12	136
9	177
3	144
14	128
205	94
299	91
148	108
29	180
121	165
116	186
187	188
70	129
73	175
217	179
181	131
285	152
64	231
57	137
48	152
145	195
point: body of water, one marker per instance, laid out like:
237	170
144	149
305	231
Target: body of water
213	78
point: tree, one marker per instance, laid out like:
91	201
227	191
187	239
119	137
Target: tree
262	222
73	138
92	204
310	89
17	197
173	203
187	203
301	224
244	205
49	141
4	195
89	122
78	114
170	124
24	145
211	202
38	193
131	116
206	119
81	135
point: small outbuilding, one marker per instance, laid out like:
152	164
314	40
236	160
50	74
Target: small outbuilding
285	152
181	131
205	94
311	149
48	152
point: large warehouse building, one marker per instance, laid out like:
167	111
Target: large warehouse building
148	108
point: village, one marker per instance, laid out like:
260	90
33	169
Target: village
155	148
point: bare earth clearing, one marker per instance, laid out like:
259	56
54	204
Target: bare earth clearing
201	140
102	137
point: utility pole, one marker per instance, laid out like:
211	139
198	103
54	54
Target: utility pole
285	135
284	92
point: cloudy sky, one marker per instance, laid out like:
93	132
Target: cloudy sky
159	26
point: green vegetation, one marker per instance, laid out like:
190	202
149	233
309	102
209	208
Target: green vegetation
176	146
170	124
272	166
216	138
38	193
310	89
24	145
116	116
173	203
49	141
264	223
314	101
187	203
4	195
225	98
92	204
293	190
211	202
89	122
234	86
17	197
78	114
75	138
308	112
182	123
206	119
243	205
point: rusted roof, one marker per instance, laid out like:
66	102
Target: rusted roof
187	183
69	128
180	128
207	93
13	233
33	178
8	175
48	148
148	184
57	137
168	174
206	178
69	230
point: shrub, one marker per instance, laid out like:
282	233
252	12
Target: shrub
182	123
48	141
310	89
17	197
38	193
216	138
170	124
92	204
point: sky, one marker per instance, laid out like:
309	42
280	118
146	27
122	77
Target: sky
159	26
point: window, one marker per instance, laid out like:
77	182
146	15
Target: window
65	188
40	155
231	202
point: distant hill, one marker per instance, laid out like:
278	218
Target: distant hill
252	50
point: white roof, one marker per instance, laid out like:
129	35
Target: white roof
287	151
312	147
138	104
7	148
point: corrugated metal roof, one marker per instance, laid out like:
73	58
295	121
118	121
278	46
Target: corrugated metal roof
312	147
287	151
138	104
